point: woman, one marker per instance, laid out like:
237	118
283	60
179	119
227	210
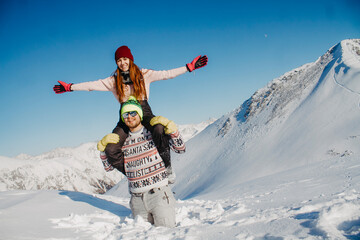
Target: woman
129	80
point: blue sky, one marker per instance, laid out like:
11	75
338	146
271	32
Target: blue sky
248	43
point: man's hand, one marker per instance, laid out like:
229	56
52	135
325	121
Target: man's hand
169	126
110	138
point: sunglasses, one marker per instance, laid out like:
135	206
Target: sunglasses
126	115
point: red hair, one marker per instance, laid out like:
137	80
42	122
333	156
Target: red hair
137	79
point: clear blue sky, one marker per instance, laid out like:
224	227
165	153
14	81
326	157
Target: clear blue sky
248	43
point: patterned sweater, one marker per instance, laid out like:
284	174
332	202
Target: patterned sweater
144	167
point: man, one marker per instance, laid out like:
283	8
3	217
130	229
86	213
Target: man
151	197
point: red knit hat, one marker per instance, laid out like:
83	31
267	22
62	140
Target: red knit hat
123	51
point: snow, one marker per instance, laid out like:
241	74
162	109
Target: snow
293	204
284	165
77	169
189	131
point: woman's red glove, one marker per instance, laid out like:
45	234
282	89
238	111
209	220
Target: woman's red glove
198	62
63	87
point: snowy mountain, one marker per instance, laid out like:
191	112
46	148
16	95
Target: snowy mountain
189	131
284	165
308	115
75	169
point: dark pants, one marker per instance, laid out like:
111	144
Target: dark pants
161	140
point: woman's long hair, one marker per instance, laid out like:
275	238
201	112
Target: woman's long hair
137	79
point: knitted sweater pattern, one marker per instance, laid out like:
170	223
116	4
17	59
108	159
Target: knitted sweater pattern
143	165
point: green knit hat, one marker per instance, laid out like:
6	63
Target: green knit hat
131	105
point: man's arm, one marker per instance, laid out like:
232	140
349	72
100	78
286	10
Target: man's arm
106	164
177	143
109	138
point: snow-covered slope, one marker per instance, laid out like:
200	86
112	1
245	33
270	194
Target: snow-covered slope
74	169
302	203
307	115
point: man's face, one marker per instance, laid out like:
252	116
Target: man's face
132	121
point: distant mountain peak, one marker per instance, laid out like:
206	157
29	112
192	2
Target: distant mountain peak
292	85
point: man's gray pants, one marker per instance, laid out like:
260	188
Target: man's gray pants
156	206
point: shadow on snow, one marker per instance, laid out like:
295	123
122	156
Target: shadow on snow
109	206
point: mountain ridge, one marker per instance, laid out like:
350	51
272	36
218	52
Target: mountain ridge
303	116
